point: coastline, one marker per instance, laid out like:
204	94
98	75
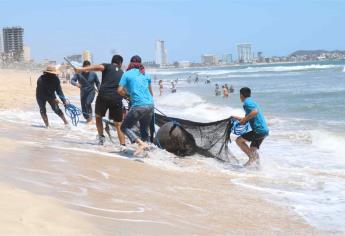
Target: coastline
150	200
264	64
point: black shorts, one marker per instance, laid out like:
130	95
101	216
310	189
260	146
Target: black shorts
254	138
41	101
111	103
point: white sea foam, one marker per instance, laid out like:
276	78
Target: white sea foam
246	70
187	105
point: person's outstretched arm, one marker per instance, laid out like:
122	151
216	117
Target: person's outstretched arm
90	68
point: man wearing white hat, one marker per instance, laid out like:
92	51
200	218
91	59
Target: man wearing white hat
47	85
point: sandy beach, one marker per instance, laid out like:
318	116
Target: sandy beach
55	191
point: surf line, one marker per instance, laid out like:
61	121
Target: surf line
106	154
140	209
132	220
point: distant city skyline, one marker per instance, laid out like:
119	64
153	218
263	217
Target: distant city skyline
190	28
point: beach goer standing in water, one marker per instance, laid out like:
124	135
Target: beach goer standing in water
138	85
217	90
108	97
258	124
86	81
47	85
173	87
196	79
161	87
231	89
225	92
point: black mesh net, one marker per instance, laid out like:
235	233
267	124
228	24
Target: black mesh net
211	139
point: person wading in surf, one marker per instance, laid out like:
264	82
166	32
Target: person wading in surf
86	81
47	85
138	85
258	124
108	97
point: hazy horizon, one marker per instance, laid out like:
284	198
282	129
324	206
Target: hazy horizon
189	27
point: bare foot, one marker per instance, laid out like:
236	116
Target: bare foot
90	122
253	163
140	149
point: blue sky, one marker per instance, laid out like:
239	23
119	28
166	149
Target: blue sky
57	28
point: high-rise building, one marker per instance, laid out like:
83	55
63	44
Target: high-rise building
26	54
260	57
244	52
209	59
161	54
227	59
13	38
87	56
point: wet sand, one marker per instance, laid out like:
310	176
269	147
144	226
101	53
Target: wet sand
106	195
24	213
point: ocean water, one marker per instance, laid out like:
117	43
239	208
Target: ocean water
302	161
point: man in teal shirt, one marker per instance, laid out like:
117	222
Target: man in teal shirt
258	124
137	85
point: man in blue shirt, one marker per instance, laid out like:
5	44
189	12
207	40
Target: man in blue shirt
258	124
86	81
137	85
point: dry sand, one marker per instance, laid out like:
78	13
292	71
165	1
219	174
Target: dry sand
172	202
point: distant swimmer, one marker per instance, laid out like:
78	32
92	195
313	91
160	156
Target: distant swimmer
86	81
217	90
161	87
137	84
231	89
196	79
208	81
225	92
47	85
258	124
108	98
173	87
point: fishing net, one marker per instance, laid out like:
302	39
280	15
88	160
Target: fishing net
212	138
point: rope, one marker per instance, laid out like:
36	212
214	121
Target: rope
73	113
239	129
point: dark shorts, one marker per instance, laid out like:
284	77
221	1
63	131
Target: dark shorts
41	101
254	138
113	104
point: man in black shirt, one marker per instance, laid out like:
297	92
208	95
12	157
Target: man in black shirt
86	81
47	85
108	98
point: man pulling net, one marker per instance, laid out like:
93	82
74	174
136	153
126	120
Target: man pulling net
185	137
